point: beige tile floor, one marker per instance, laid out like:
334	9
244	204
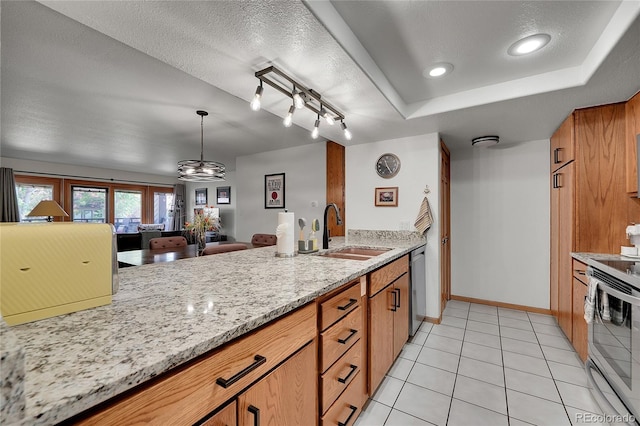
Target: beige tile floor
483	365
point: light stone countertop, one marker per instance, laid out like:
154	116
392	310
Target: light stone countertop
166	314
594	259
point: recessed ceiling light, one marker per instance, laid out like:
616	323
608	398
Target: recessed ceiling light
438	70
529	44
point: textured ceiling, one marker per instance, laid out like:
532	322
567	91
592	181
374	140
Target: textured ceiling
116	83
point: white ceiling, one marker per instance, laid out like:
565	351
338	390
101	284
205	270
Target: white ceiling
116	84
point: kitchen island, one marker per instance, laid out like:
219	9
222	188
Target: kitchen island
168	314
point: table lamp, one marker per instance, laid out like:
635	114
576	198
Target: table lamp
48	208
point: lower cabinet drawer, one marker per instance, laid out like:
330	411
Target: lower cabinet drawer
336	340
340	375
346	409
191	392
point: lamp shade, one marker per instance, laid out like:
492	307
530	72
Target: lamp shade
48	208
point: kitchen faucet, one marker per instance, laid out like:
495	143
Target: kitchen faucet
325	232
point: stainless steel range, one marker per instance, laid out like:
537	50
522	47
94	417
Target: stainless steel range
614	339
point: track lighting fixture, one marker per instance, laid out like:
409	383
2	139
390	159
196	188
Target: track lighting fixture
289	118
316	130
201	170
298	100
255	103
347	132
302	97
326	116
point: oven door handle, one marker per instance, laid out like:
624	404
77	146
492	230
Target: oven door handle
601	398
620	295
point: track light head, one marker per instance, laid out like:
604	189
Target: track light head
288	120
298	100
329	119
316	130
255	103
347	132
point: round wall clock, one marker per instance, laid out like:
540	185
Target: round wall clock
388	165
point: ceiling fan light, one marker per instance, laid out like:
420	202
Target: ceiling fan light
529	44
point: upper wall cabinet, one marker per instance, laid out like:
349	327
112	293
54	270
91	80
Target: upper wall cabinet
632	118
562	146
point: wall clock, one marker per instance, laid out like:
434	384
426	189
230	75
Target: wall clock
388	165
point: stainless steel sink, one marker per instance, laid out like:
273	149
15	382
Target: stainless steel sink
355	253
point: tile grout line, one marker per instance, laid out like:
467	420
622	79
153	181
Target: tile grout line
455	379
504	373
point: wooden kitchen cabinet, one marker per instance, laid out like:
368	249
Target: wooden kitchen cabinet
590	207
225	417
579	326
341	331
388	318
632	119
562	146
287	396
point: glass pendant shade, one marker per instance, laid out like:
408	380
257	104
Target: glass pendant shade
201	170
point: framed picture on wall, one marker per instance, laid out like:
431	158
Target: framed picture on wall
201	196
274	191
223	195
387	197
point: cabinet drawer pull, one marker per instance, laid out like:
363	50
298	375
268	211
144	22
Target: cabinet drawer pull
256	414
395	300
352	333
348	305
556	158
353	370
353	409
257	361
580	272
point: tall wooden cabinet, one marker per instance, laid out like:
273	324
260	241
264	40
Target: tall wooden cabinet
632	118
590	207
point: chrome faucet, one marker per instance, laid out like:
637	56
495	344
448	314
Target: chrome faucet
325	232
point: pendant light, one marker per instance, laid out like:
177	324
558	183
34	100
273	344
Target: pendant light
201	170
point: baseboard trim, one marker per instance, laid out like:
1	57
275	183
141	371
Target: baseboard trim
433	320
502	304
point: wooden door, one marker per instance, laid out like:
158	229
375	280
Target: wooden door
287	396
401	315
225	417
566	184
445	227
380	355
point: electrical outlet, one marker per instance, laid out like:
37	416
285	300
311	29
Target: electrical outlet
314	203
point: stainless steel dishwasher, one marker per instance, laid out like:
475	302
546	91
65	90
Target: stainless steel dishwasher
418	291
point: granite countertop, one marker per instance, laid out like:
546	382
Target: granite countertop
166	314
595	260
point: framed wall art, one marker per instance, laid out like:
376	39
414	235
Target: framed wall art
386	197
201	196
223	195
274	191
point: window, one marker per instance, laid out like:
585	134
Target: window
127	210
162	208
29	195
89	204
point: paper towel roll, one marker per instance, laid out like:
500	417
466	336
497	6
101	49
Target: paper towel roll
285	232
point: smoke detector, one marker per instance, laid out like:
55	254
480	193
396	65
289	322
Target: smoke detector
485	141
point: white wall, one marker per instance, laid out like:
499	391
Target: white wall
305	182
420	166
500	223
227	211
83	172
